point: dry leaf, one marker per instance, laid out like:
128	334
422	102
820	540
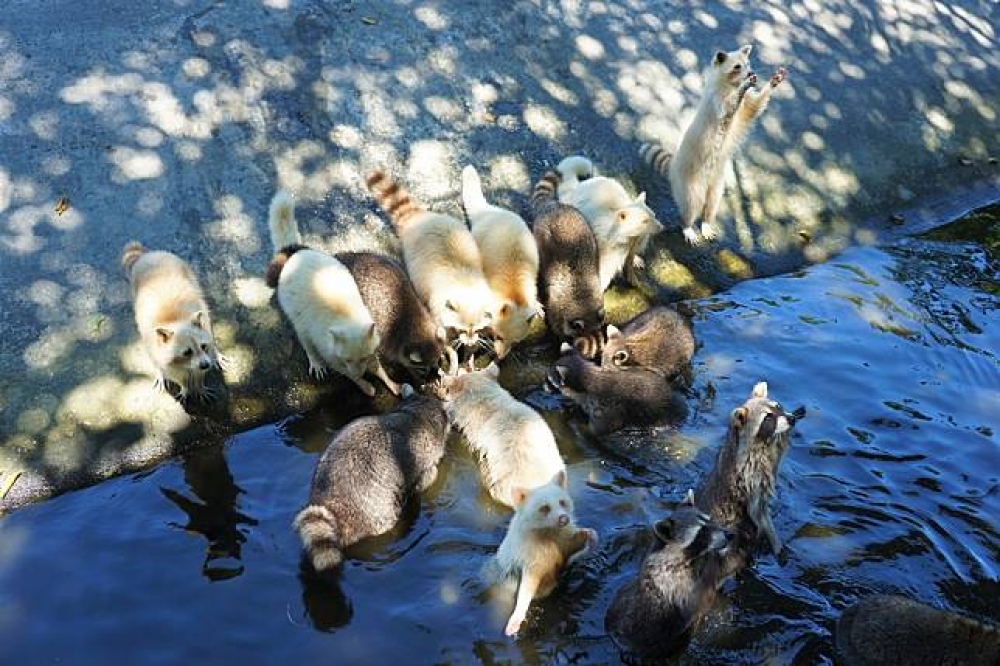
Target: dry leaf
62	205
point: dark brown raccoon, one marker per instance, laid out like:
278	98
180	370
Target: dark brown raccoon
569	284
409	336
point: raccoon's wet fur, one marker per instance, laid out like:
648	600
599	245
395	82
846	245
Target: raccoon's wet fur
568	276
409	336
612	398
738	491
658	339
654	615
367	472
888	629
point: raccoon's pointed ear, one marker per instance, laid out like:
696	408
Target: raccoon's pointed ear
198	319
492	369
746	49
518	495
641	198
164	335
664	529
560	479
738	419
613	332
719	58
760	390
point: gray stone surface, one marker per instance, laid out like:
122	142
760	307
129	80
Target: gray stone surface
172	122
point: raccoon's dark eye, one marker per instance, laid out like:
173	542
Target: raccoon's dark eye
737	67
621	356
188	352
204	347
545	509
562	503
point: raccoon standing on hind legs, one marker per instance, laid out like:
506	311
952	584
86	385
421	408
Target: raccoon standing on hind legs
697	171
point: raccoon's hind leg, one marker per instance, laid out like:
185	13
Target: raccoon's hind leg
710	228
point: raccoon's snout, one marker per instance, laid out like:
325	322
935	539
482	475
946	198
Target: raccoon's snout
563	520
797	415
204	364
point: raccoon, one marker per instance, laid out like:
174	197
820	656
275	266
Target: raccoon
697	172
443	261
367	472
409	336
658	339
568	275
654	615
612	398
173	320
889	629
541	541
738	490
622	224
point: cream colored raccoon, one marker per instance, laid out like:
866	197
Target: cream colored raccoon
510	262
622	224
541	541
442	260
320	298
173	319
515	446
697	172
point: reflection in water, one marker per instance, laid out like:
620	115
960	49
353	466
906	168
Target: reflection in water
325	602
213	513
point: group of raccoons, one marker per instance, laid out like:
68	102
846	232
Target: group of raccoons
466	291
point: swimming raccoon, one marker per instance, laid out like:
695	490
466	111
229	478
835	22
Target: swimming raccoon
654	615
568	275
622	224
612	398
443	261
409	336
888	629
697	172
738	490
541	541
658	339
367	472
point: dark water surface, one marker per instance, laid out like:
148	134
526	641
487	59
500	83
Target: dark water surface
892	484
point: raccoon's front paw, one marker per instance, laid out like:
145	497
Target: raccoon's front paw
778	77
592	539
711	231
317	372
160	384
223	363
752	80
638	263
514	624
692	236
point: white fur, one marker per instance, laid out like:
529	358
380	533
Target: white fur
510	262
514	443
622	225
724	115
321	299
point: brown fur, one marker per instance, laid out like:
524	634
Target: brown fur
393	198
273	274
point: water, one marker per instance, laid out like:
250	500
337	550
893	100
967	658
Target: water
891	485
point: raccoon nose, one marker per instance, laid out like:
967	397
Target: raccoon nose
563	520
204	364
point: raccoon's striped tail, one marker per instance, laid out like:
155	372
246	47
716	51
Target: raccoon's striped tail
545	190
392	198
590	345
130	254
281	221
573	168
656	157
472	192
317	528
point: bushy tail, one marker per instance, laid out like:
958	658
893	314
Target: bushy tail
133	250
317	528
656	157
545	190
590	345
281	221
472	192
392	198
573	168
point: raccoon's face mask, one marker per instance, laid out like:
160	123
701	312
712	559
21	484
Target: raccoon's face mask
691	534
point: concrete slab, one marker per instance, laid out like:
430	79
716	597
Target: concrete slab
172	122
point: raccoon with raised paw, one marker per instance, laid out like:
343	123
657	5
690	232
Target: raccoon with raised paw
738	491
613	398
541	541
654	615
408	335
443	261
657	339
568	275
173	320
367	473
321	300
